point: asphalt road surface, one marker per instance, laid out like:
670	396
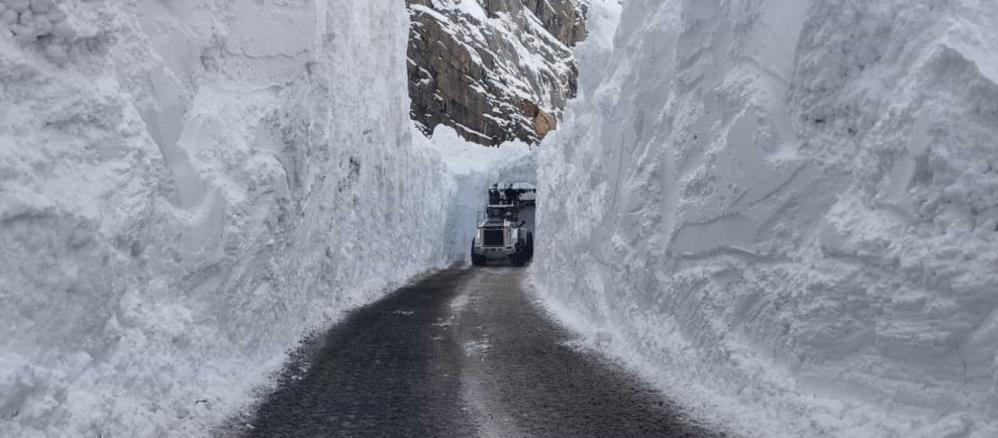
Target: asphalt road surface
465	352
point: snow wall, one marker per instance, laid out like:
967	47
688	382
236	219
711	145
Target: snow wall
188	187
785	212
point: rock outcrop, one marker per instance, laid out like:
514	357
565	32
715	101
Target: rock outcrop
494	70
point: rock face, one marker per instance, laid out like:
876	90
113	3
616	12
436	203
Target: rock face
494	70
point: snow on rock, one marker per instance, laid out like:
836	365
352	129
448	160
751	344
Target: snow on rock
494	70
186	189
785	212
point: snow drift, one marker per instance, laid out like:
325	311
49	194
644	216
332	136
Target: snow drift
787	212
186	188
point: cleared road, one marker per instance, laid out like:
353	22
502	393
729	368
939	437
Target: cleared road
465	352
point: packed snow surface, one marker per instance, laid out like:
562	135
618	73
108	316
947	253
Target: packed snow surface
187	187
787	212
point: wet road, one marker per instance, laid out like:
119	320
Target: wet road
465	352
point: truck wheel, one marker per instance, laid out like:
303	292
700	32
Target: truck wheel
476	260
530	245
519	257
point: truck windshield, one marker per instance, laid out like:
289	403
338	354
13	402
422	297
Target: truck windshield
497	212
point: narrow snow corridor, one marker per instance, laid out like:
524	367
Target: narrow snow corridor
464	352
771	218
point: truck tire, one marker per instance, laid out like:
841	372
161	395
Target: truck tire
519	258
530	245
476	260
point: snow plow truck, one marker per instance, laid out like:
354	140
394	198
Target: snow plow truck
505	233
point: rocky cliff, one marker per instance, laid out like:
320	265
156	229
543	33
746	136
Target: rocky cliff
495	70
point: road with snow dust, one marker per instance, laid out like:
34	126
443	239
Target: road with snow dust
465	352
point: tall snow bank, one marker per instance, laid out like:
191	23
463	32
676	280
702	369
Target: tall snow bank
186	188
787	212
